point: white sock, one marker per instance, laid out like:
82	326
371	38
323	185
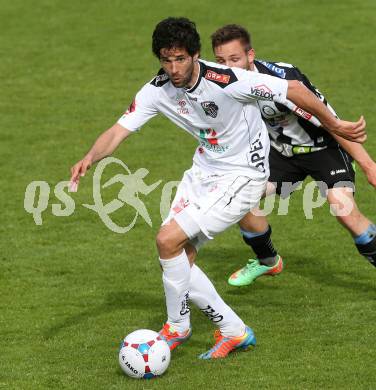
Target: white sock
204	295
176	276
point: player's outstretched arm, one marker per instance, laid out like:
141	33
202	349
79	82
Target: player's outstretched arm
308	101
105	145
361	156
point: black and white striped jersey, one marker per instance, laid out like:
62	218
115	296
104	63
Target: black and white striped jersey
283	125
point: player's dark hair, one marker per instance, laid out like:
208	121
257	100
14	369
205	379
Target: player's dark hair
229	33
176	33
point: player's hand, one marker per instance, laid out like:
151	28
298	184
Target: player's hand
77	171
370	172
353	131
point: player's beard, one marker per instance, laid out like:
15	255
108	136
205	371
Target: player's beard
186	79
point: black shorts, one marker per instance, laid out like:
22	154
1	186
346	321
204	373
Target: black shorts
332	166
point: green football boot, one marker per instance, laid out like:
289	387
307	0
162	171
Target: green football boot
246	275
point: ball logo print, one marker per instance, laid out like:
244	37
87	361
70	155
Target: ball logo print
144	354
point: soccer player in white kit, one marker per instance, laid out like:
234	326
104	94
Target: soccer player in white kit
218	106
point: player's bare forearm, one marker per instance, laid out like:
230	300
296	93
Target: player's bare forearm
104	146
361	156
107	143
308	101
356	151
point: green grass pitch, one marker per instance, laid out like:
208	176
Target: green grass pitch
70	289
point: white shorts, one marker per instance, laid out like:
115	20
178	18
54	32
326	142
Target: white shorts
205	205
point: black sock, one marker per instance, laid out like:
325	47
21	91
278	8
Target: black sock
368	251
262	246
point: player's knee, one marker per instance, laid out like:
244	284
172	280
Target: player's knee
350	220
345	220
163	240
343	206
166	242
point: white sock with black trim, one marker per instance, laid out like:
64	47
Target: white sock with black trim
176	276
204	295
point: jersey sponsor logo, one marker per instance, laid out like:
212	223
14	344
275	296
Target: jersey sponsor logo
275	69
221	78
210	109
304	114
180	205
182	109
209	141
131	108
263	92
213	148
269	111
161	78
209	135
333	172
272	115
257	159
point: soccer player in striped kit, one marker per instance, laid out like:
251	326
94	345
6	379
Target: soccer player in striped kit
298	148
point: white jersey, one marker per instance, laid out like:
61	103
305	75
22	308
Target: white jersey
220	111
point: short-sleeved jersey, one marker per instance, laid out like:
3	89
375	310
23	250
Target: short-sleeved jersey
220	111
284	126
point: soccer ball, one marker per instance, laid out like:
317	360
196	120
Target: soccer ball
143	354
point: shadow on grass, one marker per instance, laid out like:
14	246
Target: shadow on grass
139	300
215	265
312	268
219	264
